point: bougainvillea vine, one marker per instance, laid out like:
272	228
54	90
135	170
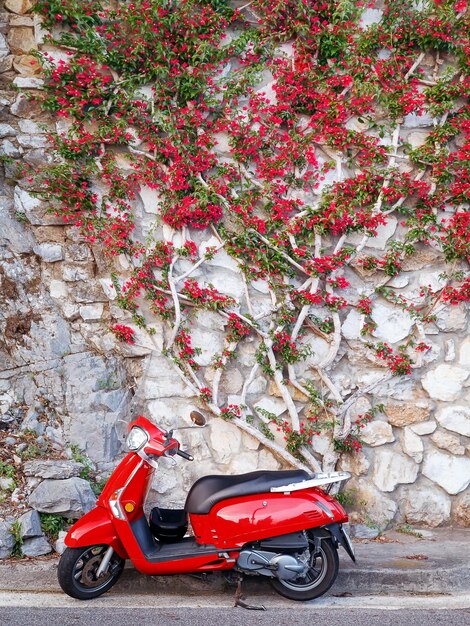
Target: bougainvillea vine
279	130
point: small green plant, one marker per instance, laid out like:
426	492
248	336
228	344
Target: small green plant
406	529
87	473
7	470
52	524
107	384
266	432
17	531
98	486
21	217
80	457
6	160
33	451
346	498
370	523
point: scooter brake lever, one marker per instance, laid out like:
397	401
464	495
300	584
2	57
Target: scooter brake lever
170	457
145	457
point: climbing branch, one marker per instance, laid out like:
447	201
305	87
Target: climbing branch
176	304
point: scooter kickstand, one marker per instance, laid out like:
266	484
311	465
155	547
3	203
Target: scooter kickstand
238	598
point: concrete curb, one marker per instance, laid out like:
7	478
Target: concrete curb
391	581
42	577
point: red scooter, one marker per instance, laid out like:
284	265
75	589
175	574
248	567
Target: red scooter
277	524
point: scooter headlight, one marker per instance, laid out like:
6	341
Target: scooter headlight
137	438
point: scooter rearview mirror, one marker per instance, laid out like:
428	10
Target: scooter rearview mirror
198	421
198	418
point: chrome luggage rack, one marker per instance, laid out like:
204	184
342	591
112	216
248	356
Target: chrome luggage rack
317	480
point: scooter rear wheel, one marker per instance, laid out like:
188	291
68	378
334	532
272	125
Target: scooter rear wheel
321	574
77	572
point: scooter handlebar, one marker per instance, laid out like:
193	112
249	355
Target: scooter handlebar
185	455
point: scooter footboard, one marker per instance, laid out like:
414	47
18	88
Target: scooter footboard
95	528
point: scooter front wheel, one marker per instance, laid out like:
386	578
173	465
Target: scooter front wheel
320	575
78	568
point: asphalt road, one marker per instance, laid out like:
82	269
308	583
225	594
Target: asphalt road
19	616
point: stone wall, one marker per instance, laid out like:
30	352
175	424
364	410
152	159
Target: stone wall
64	376
58	376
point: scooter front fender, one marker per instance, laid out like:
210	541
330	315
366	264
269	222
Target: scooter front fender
95	528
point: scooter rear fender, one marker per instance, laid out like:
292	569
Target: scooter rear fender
338	533
95	528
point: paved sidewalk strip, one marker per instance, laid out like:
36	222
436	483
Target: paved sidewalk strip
116	600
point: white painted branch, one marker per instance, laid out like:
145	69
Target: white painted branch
216	233
317	245
142	153
230	346
428	83
362	392
336	156
277	376
261	316
248	322
195	266
334	346
248	381
346	425
282	253
329	383
304	311
314	282
340	244
292	241
247	295
415	65
176	304
343	424
195	387
293	380
250	178
308	456
196	380
224	201
245	6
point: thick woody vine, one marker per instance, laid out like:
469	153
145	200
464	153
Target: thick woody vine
158	84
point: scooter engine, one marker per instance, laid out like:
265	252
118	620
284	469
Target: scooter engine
284	566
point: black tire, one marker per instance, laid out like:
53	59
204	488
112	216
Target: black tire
77	572
320	576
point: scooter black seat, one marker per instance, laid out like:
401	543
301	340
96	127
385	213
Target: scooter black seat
210	490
